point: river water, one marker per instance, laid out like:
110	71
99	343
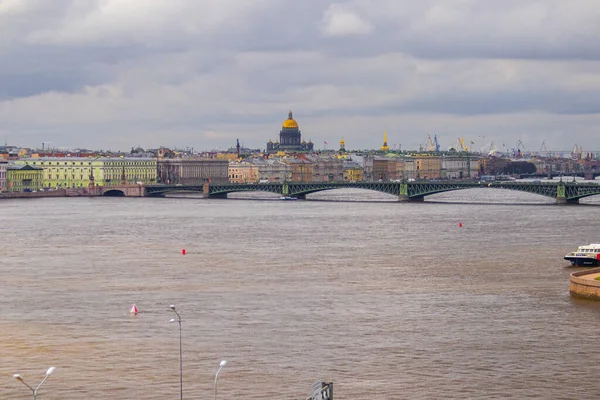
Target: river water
388	300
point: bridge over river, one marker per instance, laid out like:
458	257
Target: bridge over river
563	192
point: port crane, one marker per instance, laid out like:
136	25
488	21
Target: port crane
462	145
429	145
518	147
437	144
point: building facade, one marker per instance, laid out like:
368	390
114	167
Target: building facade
459	167
302	170
377	168
290	138
273	171
23	178
192	171
3	166
353	172
243	172
428	167
77	172
326	168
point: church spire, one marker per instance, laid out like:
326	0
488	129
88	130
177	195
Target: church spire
290	115
385	146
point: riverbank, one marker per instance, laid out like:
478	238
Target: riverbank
33	195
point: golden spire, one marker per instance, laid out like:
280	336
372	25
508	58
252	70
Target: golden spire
385	146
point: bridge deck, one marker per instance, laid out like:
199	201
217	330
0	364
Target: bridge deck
562	191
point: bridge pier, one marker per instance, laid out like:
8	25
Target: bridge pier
564	200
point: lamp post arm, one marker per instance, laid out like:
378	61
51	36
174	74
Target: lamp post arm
39	386
25	383
217	377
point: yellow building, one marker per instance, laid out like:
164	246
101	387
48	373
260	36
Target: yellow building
227	156
73	172
23	178
427	167
353	172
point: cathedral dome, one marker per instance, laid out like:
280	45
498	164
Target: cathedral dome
290	122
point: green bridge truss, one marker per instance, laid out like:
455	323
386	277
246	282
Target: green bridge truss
563	192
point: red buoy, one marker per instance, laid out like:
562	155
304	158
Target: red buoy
460	225
134	309
183	251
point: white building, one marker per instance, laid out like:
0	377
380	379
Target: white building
459	167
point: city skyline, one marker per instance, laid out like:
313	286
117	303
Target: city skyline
203	74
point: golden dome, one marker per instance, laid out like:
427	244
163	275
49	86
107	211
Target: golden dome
290	122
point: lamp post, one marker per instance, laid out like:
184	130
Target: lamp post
180	352
221	366
20	379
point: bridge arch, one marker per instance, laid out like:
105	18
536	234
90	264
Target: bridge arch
114	193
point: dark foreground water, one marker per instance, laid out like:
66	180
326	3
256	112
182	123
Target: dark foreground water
387	300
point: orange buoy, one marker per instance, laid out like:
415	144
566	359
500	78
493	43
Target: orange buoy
134	309
183	251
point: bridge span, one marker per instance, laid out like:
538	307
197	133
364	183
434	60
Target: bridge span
562	192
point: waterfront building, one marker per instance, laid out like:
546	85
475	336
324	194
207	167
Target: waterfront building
353	172
273	171
75	172
400	168
23	178
290	138
243	172
459	167
192	171
326	168
409	169
427	166
302	169
376	168
3	165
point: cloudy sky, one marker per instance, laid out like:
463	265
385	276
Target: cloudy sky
202	73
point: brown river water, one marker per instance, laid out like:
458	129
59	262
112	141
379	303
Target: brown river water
387	300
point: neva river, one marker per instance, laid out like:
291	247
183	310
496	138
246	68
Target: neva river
388	300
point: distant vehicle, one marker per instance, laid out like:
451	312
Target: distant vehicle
27	190
588	255
263	181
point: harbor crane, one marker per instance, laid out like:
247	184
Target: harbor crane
429	144
462	145
437	144
517	148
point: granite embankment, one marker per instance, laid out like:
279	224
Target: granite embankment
584	284
33	195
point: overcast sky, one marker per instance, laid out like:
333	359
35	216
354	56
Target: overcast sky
202	73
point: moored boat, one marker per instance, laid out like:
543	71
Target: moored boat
288	198
588	255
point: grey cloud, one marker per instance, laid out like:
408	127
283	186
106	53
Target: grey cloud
235	68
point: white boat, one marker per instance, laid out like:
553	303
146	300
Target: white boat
288	198
588	255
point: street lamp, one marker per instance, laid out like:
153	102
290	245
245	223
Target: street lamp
223	364
180	352
20	379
